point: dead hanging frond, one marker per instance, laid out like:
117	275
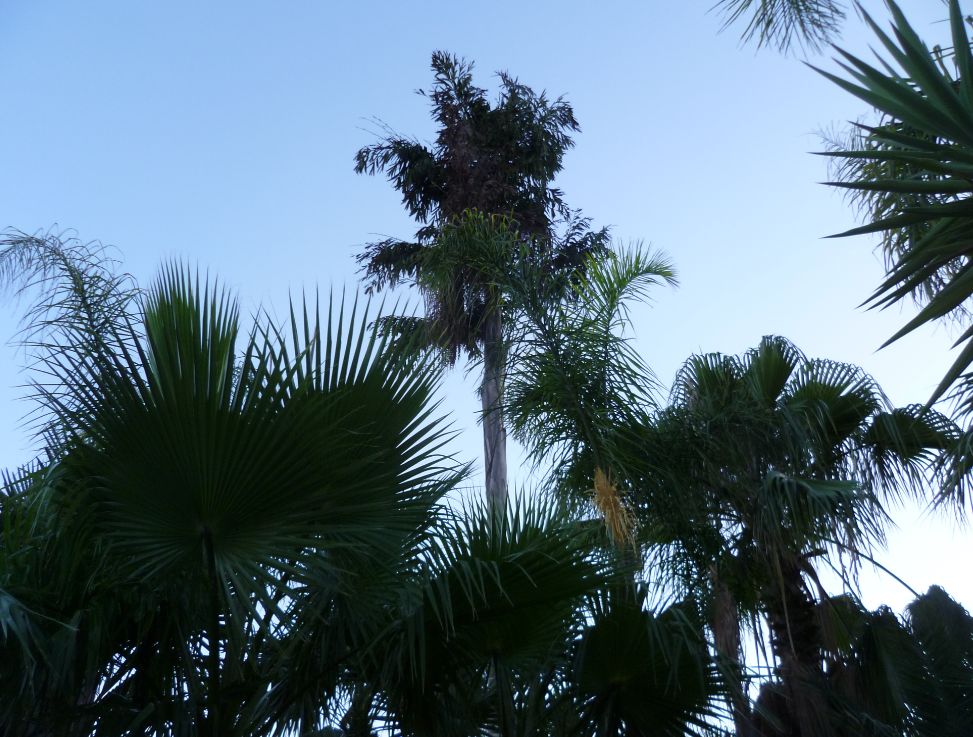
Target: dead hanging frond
619	520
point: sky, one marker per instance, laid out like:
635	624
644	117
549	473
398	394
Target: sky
222	134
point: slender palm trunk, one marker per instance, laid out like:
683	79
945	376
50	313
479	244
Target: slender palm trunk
491	393
725	623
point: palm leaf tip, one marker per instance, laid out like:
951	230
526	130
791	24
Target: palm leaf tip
782	23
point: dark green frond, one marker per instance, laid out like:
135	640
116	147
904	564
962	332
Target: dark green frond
390	262
501	595
411	168
639	672
944	631
576	380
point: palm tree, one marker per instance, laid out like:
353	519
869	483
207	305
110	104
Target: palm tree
761	467
577	379
488	161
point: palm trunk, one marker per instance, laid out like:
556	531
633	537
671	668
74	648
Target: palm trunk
491	393
725	623
795	639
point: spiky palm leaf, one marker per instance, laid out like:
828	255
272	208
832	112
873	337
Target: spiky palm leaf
913	172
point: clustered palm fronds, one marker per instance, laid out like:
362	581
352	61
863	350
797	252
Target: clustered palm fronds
245	533
785	462
488	161
760	470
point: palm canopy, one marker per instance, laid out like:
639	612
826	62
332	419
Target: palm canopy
477	268
488	161
761	465
498	158
905	675
508	627
778	452
240	533
577	378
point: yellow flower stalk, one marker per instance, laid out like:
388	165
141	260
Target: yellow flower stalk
618	518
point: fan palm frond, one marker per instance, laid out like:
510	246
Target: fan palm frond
210	487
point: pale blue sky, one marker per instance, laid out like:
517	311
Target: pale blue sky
223	133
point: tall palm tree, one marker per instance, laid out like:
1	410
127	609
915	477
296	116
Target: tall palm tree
488	161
